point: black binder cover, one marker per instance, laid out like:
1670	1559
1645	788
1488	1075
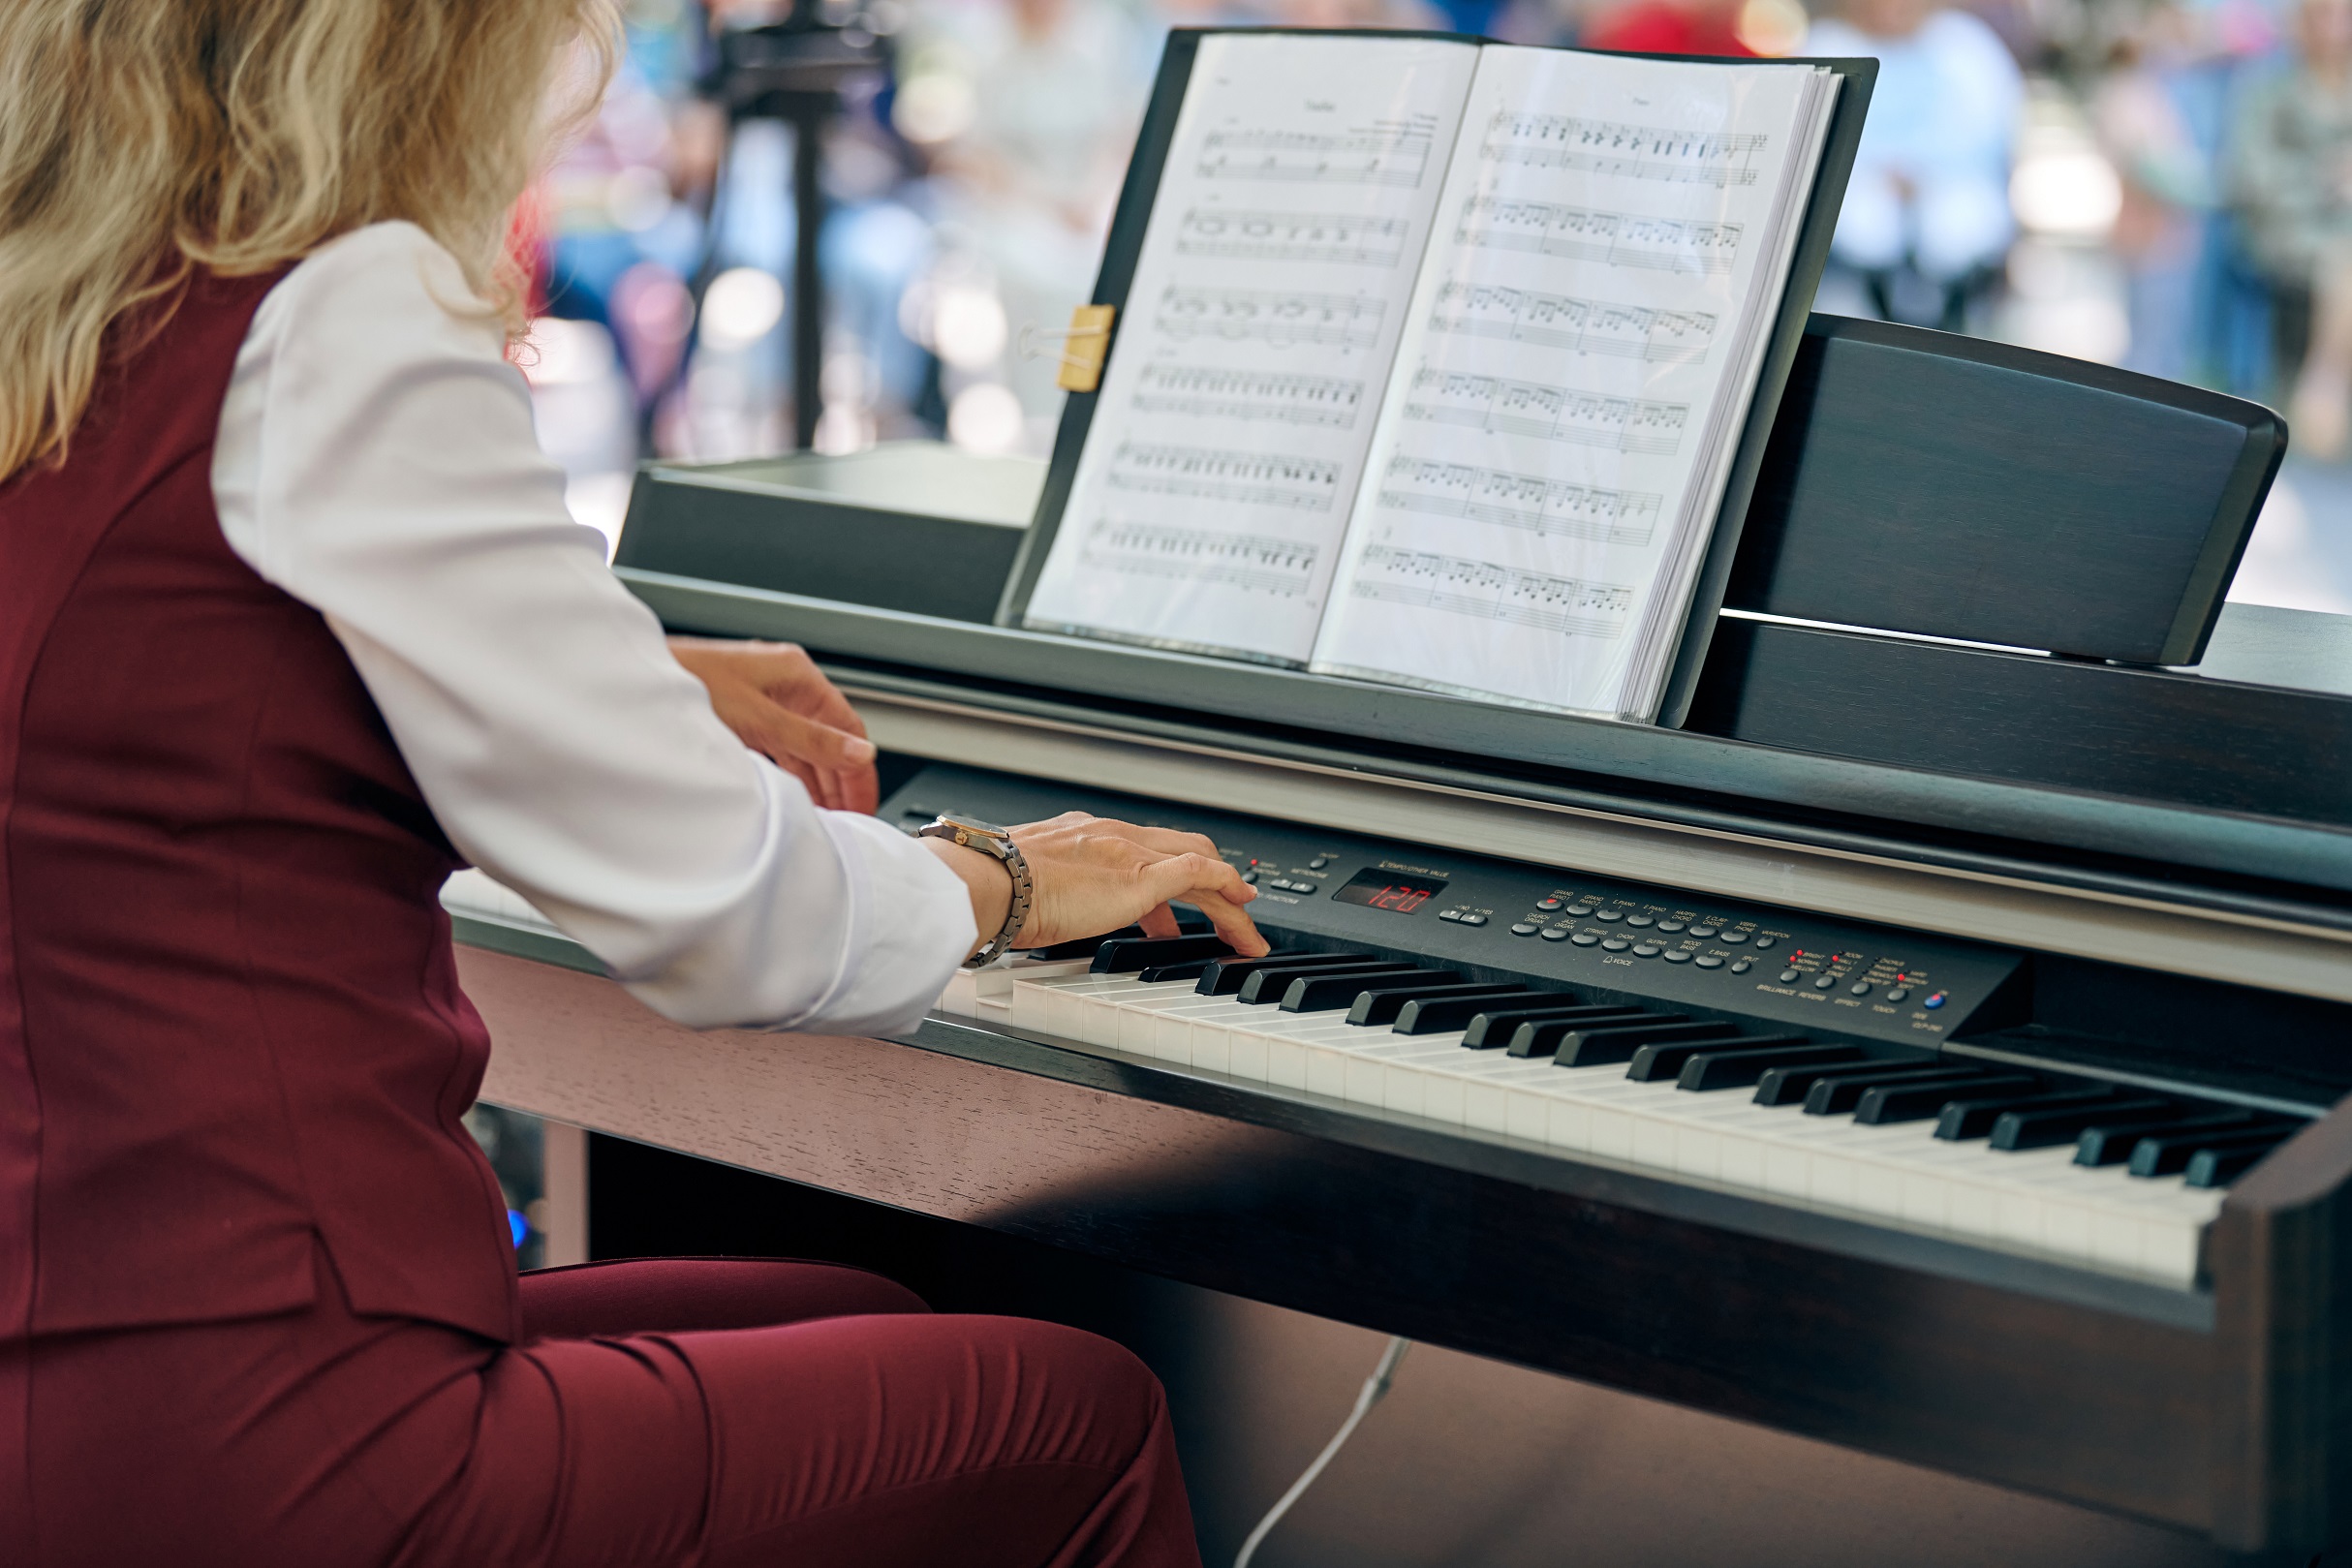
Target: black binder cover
1124	248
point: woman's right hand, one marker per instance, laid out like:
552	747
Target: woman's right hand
1093	874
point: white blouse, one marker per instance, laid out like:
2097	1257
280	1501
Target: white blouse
377	461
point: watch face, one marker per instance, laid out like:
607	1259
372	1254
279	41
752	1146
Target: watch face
973	824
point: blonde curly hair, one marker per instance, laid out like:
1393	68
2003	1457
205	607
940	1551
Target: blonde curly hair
142	138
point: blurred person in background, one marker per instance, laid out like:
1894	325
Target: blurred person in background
2168	184
2290	181
1670	28
1926	222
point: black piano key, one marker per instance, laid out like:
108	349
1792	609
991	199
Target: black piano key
1599	1047
1174	971
1270	985
1835	1096
1318	991
1383	1000
1972	1116
1655	1064
1890	1103
2168	1153
2031	1129
2219	1164
1435	1014
1740	1068
1225	976
1542	1036
1493	1029
1079	947
2113	1145
1125	955
1788	1086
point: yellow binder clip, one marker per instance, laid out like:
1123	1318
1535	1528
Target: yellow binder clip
1085	346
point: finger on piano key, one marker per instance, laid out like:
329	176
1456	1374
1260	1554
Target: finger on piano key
1665	1059
1269	986
1315	992
1740	1068
1125	955
1225	976
1381	1002
1835	1096
2102	1145
1889	1104
1541	1038
1592	1047
1492	1029
1448	1014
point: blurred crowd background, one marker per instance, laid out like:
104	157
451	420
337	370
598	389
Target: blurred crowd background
2164	185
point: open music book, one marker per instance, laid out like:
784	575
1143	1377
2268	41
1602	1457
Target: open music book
1435	359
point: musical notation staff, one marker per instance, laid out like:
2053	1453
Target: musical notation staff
1645	152
1276	237
1253	478
1381	155
1284	567
1679	337
1487	592
1494	404
1250	395
1282	320
1524	501
1614	239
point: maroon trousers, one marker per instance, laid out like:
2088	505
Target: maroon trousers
714	1413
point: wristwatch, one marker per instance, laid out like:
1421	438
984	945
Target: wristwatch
989	839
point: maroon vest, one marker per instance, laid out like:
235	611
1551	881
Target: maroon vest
230	1027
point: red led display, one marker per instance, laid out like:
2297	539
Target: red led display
1388	890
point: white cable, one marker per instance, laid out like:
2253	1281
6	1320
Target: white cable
1375	1388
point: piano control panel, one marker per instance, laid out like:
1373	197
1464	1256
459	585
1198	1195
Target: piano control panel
1495	919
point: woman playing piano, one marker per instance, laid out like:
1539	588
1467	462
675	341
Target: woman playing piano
291	624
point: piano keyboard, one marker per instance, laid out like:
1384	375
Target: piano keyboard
2097	1174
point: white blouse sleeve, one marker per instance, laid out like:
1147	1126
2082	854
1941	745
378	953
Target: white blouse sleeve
376	460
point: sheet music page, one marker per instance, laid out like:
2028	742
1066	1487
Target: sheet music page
1544	446
1280	258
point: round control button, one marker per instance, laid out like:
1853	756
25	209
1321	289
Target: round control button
1670	925
1547	905
1610	914
1678	956
1584	939
1703	931
1935	1001
1744	966
1641	920
1580	910
1615	944
1860	988
1735	937
1648	950
1764	943
1474	920
1789	977
1250	876
1449	915
1525	928
1709	961
1318	862
1556	934
1900	994
1825	982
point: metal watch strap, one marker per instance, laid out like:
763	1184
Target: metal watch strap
991	839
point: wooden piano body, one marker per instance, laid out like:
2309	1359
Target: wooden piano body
2164	852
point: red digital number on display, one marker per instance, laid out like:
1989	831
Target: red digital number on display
1402	900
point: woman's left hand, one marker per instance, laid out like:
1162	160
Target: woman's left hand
775	699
